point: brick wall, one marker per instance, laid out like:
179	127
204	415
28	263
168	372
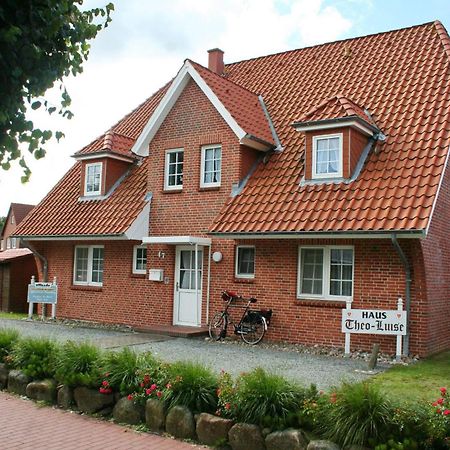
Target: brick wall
436	256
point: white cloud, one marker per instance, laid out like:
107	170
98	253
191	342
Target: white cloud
144	47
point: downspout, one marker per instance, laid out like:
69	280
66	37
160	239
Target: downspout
43	259
407	268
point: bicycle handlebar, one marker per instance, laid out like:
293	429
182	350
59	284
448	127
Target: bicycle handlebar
231	296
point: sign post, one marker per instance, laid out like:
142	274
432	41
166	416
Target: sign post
374	321
44	293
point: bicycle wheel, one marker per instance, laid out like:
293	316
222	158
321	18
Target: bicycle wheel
253	330
218	326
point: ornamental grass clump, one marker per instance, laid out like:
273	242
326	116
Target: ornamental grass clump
8	338
35	357
268	399
124	371
78	365
358	415
192	385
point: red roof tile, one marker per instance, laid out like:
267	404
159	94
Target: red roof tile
403	78
242	104
111	142
20	211
337	107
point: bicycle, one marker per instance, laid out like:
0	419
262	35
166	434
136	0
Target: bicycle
251	327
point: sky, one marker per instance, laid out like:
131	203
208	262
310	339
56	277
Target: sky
148	40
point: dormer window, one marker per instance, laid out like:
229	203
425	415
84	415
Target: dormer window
93	179
327	156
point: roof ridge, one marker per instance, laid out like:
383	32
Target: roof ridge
335	42
443	36
224	78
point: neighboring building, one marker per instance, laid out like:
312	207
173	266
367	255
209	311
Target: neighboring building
315	176
17	264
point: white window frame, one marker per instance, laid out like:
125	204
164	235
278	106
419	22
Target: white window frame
12	219
135	251
325	274
13	243
204	184
167	187
89	281
86	179
315	139
236	264
8	243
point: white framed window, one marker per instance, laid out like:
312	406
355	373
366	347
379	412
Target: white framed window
327	156
173	178
88	265
326	272
93	179
211	166
13	243
245	261
8	243
140	259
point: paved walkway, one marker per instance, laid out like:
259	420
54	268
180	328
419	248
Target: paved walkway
26	426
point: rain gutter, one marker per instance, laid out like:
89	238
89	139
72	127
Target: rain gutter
407	267
42	258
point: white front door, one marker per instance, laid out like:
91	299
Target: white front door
188	286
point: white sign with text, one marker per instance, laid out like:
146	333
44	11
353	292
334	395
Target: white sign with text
373	321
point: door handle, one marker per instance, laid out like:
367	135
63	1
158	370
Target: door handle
176	286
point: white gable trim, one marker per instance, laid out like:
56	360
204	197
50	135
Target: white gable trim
186	73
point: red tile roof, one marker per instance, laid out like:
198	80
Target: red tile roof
8	255
337	107
242	104
20	211
111	142
403	78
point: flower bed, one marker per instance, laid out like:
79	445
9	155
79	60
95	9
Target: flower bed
257	410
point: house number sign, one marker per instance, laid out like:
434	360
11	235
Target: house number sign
374	321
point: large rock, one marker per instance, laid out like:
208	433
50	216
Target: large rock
126	411
155	415
43	390
286	440
17	382
212	430
90	400
245	436
180	423
3	376
65	397
322	445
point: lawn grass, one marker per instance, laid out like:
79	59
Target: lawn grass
417	382
14	316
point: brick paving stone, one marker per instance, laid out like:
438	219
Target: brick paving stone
26	426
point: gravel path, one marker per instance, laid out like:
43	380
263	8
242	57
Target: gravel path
324	371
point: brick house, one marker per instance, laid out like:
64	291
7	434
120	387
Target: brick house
306	179
17	264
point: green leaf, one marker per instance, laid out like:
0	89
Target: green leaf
36	105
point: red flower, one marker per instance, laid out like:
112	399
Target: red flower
443	390
105	383
440	401
434	404
159	394
446	412
142	384
168	386
153	387
130	397
148	391
438	411
227	406
146	378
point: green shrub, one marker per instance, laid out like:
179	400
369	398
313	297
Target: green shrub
35	357
124	370
359	415
191	385
78	365
268	400
8	337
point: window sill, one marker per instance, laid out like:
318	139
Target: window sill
244	280
172	191
138	275
320	303
208	188
79	287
